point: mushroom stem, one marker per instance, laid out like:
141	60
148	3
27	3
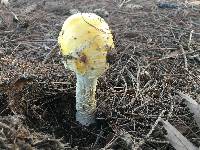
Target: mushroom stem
85	99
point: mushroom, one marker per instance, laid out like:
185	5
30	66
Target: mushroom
85	40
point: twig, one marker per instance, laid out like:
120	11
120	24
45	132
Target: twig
3	125
50	54
151	131
184	56
123	138
190	39
15	49
176	55
6	4
123	2
98	138
138	80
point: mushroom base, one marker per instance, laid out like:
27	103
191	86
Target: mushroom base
85	99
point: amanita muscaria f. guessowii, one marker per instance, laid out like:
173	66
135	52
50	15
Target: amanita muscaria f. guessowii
85	40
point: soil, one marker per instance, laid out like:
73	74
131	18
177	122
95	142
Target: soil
157	53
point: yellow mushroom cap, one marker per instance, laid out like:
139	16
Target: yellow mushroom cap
84	41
